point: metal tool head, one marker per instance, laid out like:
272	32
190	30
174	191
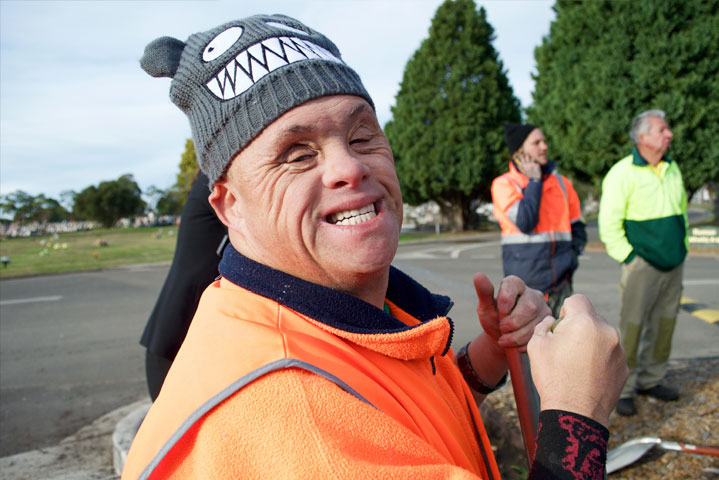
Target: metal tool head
629	452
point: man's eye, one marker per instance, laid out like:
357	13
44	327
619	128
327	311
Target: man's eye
298	157
359	140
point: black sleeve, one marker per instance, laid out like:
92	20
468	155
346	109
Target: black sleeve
528	212
569	446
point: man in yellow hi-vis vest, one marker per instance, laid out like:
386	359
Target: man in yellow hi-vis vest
643	223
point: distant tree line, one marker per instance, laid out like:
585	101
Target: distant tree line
107	202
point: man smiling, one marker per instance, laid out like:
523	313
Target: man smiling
312	357
292	198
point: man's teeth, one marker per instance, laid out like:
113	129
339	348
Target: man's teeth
259	60
353	217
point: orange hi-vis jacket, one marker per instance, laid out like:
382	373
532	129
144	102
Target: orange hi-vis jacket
282	378
542	227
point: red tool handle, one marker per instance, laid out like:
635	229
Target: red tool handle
525	395
714	451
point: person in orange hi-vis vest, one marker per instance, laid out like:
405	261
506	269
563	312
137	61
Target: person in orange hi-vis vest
311	356
543	232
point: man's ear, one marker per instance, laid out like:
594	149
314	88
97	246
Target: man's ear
226	203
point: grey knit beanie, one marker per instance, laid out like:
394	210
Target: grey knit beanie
236	79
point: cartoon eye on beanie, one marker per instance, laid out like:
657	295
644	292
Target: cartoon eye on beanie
221	43
234	80
258	59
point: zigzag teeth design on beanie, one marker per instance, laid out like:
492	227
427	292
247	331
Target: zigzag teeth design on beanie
250	65
234	80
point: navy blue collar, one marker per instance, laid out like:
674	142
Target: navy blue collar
332	307
548	168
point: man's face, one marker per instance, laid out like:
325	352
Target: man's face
535	147
658	138
316	195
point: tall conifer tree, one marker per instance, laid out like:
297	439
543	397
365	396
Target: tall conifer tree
447	126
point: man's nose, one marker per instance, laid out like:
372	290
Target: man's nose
343	167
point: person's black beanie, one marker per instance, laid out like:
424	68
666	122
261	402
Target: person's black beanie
515	134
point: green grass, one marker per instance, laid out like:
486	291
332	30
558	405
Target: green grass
67	252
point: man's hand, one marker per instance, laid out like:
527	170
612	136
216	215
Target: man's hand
580	366
528	166
509	321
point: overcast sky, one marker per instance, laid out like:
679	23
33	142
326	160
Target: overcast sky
76	109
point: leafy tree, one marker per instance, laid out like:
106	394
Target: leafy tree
169	203
172	200
110	201
187	174
18	204
86	205
447	128
23	207
49	210
603	62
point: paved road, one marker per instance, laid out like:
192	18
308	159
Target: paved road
69	351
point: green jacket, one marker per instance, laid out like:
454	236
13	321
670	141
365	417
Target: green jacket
642	213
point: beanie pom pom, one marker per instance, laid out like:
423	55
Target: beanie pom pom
162	57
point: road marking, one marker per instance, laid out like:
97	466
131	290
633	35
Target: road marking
700	310
457	250
706	281
415	256
441	252
15	301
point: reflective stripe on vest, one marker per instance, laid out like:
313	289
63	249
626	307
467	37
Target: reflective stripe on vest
269	368
234	388
517	238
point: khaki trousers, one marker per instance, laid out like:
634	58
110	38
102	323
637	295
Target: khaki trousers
650	304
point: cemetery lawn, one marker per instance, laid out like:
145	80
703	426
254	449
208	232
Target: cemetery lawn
86	251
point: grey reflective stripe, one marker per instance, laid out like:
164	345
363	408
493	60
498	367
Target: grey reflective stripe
519	238
231	390
564	189
561	184
513	211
